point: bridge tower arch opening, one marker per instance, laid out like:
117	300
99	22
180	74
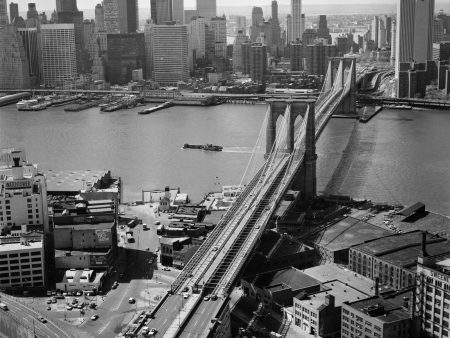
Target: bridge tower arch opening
306	182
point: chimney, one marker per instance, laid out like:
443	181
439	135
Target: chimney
424	244
17	169
377	286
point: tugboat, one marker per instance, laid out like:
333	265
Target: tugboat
206	147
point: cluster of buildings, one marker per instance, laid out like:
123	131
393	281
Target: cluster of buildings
351	278
53	236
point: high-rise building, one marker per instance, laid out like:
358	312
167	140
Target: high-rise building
393	42
405	33
381	34
276	29
161	11
289	38
374	29
31	43
13	11
257	16
14	70
258	62
317	56
32	12
207	8
126	52
58	54
196	32
219	26
111	16
170	53
423	30
178	11
296	57
69	13
99	18
438	30
323	32
3	14
148	33
246	57
296	12
128	15
237	51
388	25
189	14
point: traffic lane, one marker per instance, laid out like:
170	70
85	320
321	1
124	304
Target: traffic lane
201	319
166	315
30	316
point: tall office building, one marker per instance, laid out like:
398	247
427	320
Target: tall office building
126	52
14	70
197	32
3	14
381	34
323	32
237	51
207	8
128	16
219	26
69	14
58	54
99	18
405	33
317	56
374	29
111	16
66	6
257	16
438	30
170	53
178	11
258	62
32	12
296	12
423	30
388	25
276	30
161	11
13	11
148	34
31	43
393	42
289	28
296	57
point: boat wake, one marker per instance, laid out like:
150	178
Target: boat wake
242	150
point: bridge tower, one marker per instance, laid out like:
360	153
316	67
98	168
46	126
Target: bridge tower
306	181
346	66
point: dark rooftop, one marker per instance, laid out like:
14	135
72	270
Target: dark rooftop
386	310
349	232
289	247
291	277
409	210
268	241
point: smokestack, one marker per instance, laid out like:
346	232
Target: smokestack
424	244
377	286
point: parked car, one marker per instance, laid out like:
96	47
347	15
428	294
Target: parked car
166	269
94	317
131	300
42	319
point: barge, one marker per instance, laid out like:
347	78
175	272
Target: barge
206	147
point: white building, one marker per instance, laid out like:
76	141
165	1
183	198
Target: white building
58	54
170	53
21	264
23	192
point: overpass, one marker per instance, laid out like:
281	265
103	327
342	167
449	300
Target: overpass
292	128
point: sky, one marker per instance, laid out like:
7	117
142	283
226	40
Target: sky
84	4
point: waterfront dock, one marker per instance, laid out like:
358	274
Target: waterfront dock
369	112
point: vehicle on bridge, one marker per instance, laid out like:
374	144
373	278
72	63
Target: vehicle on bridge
4	307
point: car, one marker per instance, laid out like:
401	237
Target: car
64	294
60	297
206	298
69	307
94	317
153	332
157	223
92	305
147	249
42	319
49	301
80	306
53	300
74	301
185	295
131	300
79	293
114	286
166	269
145	330
49	308
214	297
49	293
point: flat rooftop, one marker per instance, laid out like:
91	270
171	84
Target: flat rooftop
341	292
9	247
349	232
72	180
390	308
214	217
291	277
86	226
63	253
329	272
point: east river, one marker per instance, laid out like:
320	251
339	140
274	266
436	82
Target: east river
399	156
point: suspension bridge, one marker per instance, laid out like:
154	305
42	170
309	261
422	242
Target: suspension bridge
198	304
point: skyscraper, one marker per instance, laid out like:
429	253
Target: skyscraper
197	31
405	33
423	30
32	12
99	18
66	6
170	53
207	8
69	13
257	16
14	71
374	29
276	30
58	54
237	51
13	11
258	62
296	10
111	16
219	26
30	39
161	11
3	14
128	16
323	32
178	11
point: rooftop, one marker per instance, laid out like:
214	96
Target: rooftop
72	180
171	241
10	247
329	272
288	247
349	232
341	292
86	226
291	277
386	310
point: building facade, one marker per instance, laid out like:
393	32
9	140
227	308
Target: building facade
14	67
31	42
170	53
296	12
161	11
13	11
258	62
423	30
111	16
4	20
58	54
178	11
128	16
207	8
219	26
317	57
